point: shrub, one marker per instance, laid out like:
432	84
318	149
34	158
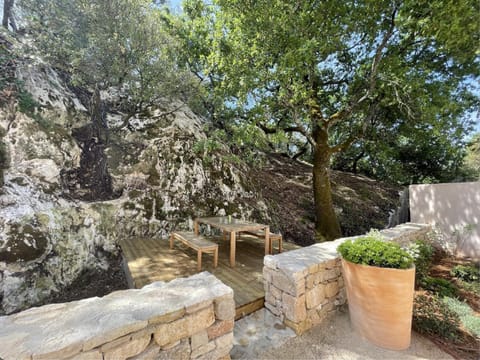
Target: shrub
466	273
432	316
438	286
473	287
371	250
422	253
465	314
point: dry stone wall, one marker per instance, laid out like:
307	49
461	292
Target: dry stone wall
188	318
305	286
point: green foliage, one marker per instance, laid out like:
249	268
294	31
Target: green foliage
471	162
4	161
468	273
371	250
466	315
422	253
205	146
26	103
331	73
432	316
118	43
439	286
473	287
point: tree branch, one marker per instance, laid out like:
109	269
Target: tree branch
372	79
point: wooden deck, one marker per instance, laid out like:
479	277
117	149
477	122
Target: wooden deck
152	260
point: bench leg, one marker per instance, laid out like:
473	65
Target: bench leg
199	260
171	241
280	244
215	258
268	244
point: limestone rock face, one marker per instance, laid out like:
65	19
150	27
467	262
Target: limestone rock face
162	175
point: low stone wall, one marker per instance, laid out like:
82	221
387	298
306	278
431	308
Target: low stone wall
305	286
188	318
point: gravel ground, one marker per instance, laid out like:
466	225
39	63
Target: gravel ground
335	341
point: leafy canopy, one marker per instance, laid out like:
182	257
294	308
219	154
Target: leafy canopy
115	43
400	71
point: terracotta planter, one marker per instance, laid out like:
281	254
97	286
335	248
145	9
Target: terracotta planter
380	302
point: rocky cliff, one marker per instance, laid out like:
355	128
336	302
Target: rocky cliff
50	227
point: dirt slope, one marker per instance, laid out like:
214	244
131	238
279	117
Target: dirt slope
286	185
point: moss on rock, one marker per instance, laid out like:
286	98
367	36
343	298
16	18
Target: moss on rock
24	243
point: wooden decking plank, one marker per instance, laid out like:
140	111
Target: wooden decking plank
152	260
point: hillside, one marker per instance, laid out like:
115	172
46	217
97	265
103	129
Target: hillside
59	230
286	185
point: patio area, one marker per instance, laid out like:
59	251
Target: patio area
150	260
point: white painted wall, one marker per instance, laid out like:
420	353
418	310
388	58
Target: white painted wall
450	208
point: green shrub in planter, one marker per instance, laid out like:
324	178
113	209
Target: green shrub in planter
370	250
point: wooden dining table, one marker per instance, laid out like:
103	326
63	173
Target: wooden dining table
233	226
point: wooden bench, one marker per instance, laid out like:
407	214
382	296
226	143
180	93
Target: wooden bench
273	237
196	242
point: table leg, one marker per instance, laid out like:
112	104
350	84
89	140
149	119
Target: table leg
195	227
267	240
232	248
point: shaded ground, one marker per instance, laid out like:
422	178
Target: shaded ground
93	282
286	185
466	346
441	268
335	339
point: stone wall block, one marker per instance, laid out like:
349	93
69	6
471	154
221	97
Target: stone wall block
198	306
299	327
270	262
166	318
267	274
203	350
89	355
219	328
331	289
225	341
199	339
171	345
313	269
115	343
222	349
330	274
114	334
275	292
128	349
330	264
180	352
152	352
269	298
286	284
314	317
273	309
185	327
315	296
62	352
225	307
294	308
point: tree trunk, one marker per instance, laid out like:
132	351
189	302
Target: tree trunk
327	227
8	15
91	181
